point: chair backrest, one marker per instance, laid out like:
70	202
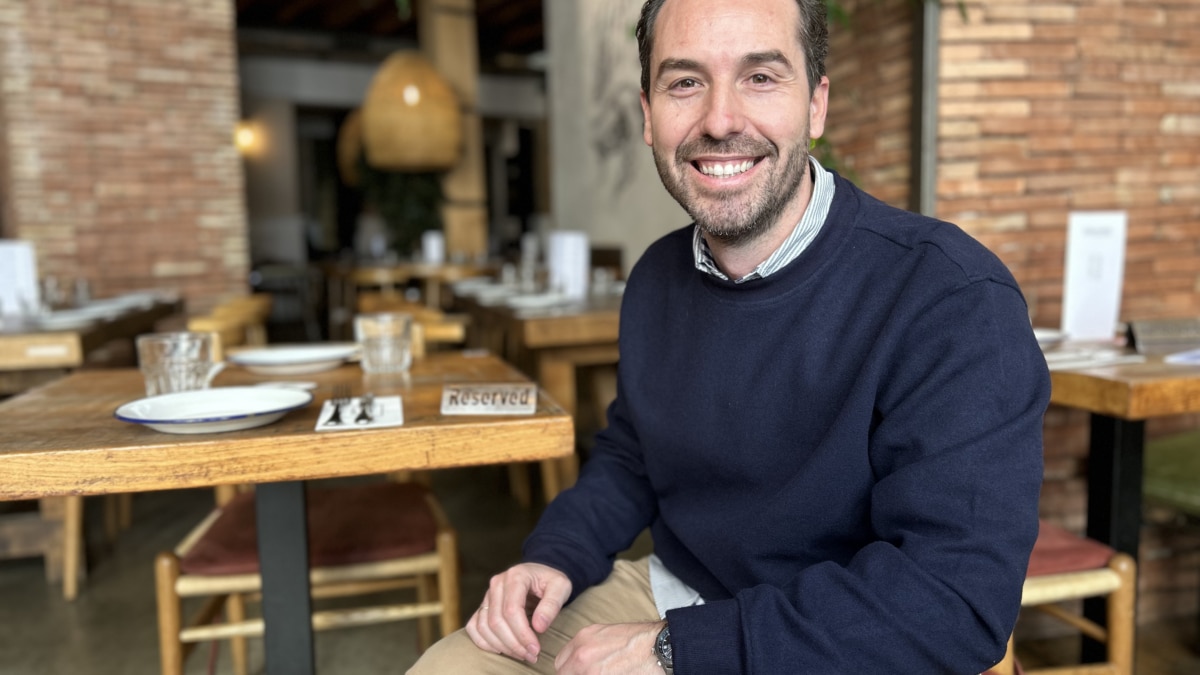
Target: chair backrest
228	331
252	311
371	302
389	280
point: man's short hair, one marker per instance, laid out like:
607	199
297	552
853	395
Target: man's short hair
813	34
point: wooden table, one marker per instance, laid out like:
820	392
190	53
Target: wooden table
1120	399
62	439
551	345
30	356
28	349
343	282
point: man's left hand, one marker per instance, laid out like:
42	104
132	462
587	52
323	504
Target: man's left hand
611	649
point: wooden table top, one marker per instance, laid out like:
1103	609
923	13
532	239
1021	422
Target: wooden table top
594	320
62	438
33	348
1131	391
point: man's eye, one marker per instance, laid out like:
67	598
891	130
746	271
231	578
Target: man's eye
760	79
686	83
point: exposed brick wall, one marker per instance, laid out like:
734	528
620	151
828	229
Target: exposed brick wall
116	154
870	96
1050	107
1047	108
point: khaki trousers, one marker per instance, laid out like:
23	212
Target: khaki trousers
625	597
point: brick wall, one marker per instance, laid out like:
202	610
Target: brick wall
116	154
1046	108
1049	107
870	69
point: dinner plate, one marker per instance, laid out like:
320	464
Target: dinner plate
1048	336
210	411
294	359
538	301
65	320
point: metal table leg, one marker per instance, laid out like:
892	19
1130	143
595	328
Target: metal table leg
283	562
1114	508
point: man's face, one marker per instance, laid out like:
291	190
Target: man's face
729	114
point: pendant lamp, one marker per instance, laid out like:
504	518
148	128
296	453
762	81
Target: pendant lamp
411	120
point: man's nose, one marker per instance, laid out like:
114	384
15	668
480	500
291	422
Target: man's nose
724	113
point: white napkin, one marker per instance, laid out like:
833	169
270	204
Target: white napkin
1072	359
387	411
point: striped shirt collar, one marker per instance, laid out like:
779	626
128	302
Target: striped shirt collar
803	234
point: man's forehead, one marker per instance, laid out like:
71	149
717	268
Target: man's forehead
698	30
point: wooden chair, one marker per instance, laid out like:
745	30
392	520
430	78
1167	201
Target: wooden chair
438	328
250	311
228	331
363	539
1065	567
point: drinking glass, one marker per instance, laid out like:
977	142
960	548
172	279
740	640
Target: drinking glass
173	362
386	341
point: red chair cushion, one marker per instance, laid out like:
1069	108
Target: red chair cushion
1058	551
346	525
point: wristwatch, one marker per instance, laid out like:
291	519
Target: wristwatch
662	650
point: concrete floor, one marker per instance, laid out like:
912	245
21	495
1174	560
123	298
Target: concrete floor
110	628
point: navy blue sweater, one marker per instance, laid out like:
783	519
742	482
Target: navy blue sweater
844	458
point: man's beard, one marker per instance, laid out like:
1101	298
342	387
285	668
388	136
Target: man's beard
738	218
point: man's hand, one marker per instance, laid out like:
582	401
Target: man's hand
616	649
500	624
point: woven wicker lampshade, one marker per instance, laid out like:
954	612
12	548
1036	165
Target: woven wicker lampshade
411	120
350	147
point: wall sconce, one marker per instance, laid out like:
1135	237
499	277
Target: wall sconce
247	139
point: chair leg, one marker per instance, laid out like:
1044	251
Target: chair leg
1122	610
235	612
72	545
448	581
170	614
426	592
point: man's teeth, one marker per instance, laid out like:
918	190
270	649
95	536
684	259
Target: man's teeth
726	168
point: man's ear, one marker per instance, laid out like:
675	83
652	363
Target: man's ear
647	133
817	107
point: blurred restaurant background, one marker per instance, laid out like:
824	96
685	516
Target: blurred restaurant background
219	148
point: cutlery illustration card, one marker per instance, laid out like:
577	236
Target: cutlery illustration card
385	411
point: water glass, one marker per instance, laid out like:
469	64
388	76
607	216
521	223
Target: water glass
386	341
173	362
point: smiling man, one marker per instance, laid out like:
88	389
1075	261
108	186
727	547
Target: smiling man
829	411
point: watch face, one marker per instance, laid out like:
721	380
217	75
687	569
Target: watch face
663	646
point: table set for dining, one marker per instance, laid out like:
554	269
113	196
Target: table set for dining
549	335
63	338
264	421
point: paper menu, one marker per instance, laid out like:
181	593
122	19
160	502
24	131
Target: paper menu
1094	274
568	259
18	277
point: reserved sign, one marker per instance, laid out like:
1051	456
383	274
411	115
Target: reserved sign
489	399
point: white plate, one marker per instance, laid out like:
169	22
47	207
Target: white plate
294	359
538	301
1048	336
65	320
213	410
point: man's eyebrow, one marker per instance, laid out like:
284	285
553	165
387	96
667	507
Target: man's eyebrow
751	59
668	65
772	56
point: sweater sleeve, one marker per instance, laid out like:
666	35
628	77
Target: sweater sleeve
956	451
584	528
